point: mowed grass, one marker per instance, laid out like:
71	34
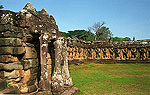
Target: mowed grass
112	79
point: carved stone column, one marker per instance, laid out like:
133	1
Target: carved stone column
44	81
61	77
65	70
57	80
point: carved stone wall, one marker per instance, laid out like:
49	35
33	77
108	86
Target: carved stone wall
30	47
101	50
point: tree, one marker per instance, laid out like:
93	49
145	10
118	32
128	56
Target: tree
80	34
102	32
1	6
121	39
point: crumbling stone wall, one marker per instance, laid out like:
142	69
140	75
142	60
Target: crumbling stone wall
104	50
31	46
18	56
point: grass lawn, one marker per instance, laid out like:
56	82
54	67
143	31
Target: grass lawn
112	79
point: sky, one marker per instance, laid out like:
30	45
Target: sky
125	18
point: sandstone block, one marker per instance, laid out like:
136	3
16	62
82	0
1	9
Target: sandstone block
34	70
13	74
24	89
31	82
8	58
10	42
22	23
7	17
7	34
11	28
12	50
32	88
3	84
2	74
28	38
12	66
28	45
30	53
14	81
30	63
10	90
28	77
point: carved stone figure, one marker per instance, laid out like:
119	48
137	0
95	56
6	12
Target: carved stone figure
125	52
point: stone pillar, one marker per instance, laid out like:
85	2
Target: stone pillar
57	80
44	81
65	71
61	77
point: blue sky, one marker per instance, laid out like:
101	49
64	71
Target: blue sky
123	17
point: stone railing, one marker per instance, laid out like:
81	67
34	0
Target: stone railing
133	51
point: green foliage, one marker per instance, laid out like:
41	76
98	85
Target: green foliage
66	34
102	32
121	39
1	6
111	79
80	34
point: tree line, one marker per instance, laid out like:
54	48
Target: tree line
97	32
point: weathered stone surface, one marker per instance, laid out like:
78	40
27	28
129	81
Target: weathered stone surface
70	91
10	90
26	76
28	38
7	17
10	42
30	53
30	63
2	74
31	82
44	81
12	66
32	88
21	51
13	74
29	76
28	45
12	50
44	93
6	34
34	70
11	28
8	58
14	81
3	84
24	88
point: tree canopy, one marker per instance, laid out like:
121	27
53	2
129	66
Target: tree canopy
1	6
80	34
89	36
121	39
101	32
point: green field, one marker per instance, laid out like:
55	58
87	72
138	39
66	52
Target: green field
112	79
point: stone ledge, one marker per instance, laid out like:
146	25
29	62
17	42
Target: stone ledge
10	90
9	34
8	58
11	66
12	50
10	42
